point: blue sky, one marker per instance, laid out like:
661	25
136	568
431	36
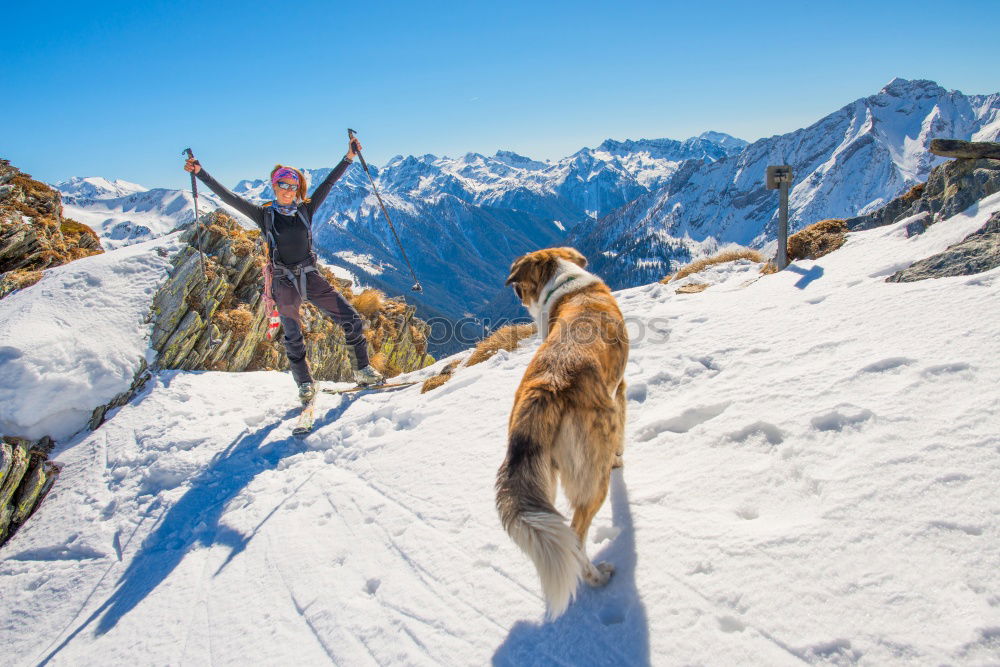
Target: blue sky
119	89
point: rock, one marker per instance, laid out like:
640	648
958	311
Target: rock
33	233
970	150
978	252
918	225
15	461
951	188
25	479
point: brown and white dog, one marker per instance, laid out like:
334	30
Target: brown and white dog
568	419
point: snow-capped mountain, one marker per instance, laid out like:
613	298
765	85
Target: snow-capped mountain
852	161
463	220
139	215
589	183
96	187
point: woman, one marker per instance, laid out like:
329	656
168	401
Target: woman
286	225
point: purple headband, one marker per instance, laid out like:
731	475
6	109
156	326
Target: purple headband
284	172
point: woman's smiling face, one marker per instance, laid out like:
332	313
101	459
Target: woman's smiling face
285	197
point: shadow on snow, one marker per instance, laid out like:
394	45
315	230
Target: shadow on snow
603	626
815	273
194	519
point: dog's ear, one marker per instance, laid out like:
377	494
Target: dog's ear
575	256
517	270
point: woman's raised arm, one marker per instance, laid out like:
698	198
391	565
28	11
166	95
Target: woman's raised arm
255	213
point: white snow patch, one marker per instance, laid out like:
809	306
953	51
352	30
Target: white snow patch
74	340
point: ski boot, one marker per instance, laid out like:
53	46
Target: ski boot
307	392
368	376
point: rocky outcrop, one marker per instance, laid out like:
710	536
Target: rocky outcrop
971	150
951	188
25	478
34	235
979	252
216	320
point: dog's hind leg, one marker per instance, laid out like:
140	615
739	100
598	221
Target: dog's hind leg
618	427
595	575
586	452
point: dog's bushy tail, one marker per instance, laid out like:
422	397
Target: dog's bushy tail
523	501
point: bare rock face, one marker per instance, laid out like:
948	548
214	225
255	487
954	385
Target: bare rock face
978	252
34	235
25	478
970	150
951	188
218	321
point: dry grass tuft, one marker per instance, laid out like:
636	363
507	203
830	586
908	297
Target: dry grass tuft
237	320
436	381
385	365
666	279
769	268
916	192
369	303
692	288
12	281
504	338
817	240
721	258
24	279
419	339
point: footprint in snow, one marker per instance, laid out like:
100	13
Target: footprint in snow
683	422
731	624
637	392
957	527
943	370
757	432
842	417
888	364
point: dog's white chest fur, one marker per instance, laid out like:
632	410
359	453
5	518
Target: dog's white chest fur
568	277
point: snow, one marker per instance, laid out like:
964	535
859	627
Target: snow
142	216
365	262
810	475
74	340
97	187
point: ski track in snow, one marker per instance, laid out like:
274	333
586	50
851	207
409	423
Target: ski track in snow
810	476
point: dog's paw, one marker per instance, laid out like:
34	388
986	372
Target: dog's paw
618	462
599	575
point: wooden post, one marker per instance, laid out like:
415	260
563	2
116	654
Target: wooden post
779	177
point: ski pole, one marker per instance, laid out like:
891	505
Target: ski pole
197	225
416	283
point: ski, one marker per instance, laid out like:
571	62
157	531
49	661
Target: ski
371	387
304	426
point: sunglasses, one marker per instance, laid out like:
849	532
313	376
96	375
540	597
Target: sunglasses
287	186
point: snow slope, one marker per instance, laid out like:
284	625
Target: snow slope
74	340
811	468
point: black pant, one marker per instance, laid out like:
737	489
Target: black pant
330	302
